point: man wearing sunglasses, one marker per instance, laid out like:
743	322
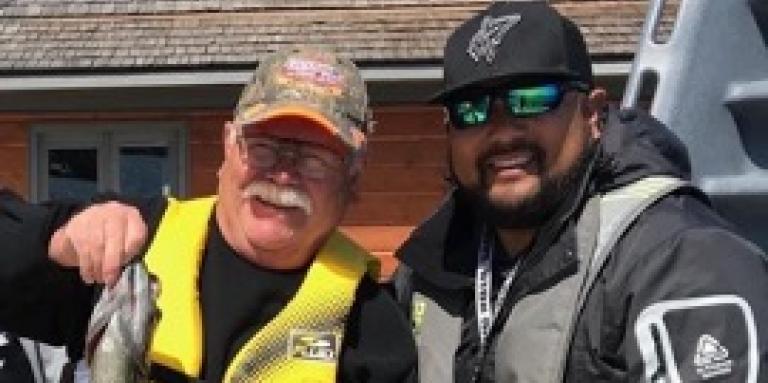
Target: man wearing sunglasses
571	247
255	284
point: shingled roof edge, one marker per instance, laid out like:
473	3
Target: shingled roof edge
50	81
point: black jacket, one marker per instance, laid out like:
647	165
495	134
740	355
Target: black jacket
678	253
43	301
14	365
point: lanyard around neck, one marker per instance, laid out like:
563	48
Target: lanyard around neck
487	312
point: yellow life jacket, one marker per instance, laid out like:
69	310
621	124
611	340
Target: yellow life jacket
301	344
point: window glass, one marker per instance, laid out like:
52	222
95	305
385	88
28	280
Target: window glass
144	171
72	173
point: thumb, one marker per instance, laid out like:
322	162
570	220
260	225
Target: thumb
61	250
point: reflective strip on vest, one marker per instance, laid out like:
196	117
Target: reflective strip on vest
174	258
303	343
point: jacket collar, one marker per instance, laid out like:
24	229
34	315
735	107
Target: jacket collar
443	249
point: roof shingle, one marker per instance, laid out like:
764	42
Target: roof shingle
44	35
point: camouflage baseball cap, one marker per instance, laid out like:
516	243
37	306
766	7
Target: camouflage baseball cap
312	84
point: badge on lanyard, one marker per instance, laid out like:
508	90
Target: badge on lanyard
486	311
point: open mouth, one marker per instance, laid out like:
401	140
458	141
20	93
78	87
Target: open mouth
510	160
264	203
512	163
278	198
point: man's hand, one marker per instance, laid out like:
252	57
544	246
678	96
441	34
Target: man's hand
99	240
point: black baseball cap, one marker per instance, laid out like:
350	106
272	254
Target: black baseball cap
514	40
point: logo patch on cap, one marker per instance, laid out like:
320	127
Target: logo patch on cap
324	78
492	30
312	82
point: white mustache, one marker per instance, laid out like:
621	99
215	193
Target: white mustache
279	195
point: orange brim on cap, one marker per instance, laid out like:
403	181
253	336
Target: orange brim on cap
297	122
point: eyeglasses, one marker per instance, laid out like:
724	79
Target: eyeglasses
310	160
473	108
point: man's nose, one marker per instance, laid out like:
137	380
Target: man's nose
503	126
501	118
285	169
286	156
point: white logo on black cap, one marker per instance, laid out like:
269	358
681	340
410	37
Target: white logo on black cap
492	30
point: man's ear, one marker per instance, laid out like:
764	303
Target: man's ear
446	121
229	133
596	102
228	143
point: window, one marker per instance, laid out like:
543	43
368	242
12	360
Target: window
134	159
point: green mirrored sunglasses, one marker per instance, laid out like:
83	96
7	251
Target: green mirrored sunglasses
473	108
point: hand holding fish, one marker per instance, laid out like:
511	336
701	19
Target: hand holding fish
99	240
120	328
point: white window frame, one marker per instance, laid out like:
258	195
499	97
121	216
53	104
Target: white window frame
107	138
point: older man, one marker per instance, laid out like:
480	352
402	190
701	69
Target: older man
256	284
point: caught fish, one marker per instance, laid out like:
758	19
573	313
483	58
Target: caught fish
120	327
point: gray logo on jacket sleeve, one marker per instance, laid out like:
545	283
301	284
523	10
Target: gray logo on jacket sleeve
698	339
711	358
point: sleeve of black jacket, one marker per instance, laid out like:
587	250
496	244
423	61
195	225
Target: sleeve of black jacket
38	299
378	343
694	303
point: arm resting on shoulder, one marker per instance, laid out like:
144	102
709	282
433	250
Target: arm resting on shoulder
38	298
55	254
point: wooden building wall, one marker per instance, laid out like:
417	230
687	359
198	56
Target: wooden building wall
14	146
